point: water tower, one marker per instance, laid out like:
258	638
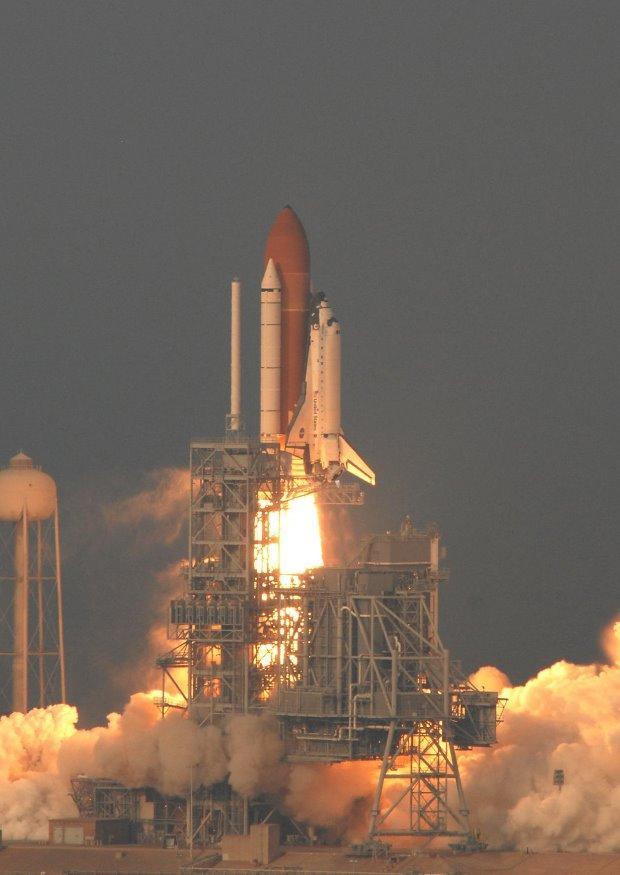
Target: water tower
32	658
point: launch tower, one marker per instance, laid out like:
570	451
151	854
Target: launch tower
349	660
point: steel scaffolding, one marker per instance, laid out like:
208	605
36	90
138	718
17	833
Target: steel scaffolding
219	619
349	659
372	680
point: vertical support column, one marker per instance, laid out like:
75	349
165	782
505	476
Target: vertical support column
339	648
61	626
40	612
446	692
463	812
387	755
190	813
20	616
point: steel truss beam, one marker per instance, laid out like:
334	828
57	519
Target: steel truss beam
424	774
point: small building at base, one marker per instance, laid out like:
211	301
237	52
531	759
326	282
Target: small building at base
89	831
260	847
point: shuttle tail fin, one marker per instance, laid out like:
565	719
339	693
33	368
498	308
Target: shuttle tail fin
353	462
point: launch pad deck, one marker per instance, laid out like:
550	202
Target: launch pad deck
33	859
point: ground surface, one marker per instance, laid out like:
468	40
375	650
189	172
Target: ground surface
34	860
24	859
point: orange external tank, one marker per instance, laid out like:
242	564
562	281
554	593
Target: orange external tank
287	244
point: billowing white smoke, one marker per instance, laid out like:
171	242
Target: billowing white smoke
139	749
41	751
566	718
31	790
256	755
335	797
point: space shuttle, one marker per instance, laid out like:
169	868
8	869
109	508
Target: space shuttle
301	361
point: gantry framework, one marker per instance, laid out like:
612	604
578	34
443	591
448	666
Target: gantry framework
349	660
233	500
216	620
365	676
152	817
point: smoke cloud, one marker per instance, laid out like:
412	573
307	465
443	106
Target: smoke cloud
139	749
41	751
256	755
335	797
31	790
146	529
565	718
340	538
156	514
142	671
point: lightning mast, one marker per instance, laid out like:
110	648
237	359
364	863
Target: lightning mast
234	422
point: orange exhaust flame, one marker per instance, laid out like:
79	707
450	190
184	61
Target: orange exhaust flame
288	543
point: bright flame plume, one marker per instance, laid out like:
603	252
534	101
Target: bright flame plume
288	543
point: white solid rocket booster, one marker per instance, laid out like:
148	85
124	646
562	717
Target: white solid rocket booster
270	357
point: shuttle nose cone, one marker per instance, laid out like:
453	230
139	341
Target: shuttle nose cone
271	280
287	243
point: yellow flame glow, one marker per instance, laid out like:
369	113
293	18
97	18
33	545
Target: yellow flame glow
293	543
290	547
300	537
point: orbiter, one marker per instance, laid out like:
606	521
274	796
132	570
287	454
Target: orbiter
300	360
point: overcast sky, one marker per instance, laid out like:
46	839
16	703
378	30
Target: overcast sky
456	168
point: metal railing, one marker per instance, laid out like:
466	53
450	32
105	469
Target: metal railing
97	872
297	870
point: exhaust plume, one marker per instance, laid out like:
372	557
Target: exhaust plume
335	797
256	755
157	512
565	718
31	790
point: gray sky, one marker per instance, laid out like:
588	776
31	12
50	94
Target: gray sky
455	166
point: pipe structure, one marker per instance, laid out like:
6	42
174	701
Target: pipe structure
235	356
40	611
270	353
61	624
